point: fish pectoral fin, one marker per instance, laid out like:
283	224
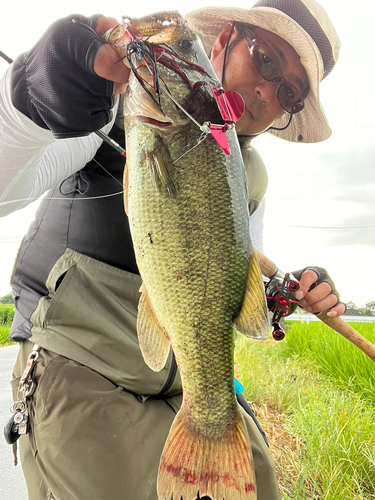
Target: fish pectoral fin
160	166
220	467
253	320
153	339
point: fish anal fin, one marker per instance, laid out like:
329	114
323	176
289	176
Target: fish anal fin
153	339
253	320
217	467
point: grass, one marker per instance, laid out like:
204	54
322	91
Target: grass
6	318
4	336
338	358
326	446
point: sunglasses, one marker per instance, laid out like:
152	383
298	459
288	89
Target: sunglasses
269	66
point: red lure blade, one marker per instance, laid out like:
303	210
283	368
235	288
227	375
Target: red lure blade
231	107
231	104
218	133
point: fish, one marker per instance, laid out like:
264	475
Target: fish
187	203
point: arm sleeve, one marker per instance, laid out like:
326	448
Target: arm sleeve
31	160
256	226
257	182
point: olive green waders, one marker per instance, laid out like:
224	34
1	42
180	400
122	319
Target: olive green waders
99	417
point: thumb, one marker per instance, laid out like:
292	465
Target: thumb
308	278
108	66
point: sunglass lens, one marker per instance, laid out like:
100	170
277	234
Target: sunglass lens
266	61
290	98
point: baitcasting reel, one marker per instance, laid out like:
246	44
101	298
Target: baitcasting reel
281	301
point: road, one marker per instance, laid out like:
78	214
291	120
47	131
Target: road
12	484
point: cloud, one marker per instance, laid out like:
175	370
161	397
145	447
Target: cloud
352	196
353	168
351	218
336	199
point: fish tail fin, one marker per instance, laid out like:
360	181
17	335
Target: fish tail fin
219	467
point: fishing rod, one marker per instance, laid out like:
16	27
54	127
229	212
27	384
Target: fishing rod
268	269
5	57
99	133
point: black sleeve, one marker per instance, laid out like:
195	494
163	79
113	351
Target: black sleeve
55	85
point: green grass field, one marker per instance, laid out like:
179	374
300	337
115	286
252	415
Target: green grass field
338	358
322	387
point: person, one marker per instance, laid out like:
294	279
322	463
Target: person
99	417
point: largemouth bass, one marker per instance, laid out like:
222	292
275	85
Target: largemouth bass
187	205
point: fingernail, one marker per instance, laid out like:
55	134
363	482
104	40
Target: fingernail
299	294
332	314
308	309
302	303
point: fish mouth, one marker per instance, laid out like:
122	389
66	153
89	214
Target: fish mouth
146	120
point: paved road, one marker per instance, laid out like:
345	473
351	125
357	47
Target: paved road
12	485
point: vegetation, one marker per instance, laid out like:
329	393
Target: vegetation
317	411
6	318
7	299
365	312
348	366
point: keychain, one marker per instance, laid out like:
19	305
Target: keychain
17	425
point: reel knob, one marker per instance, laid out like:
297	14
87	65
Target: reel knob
277	332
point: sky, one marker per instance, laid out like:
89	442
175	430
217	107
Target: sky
320	203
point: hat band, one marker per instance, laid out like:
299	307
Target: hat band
301	14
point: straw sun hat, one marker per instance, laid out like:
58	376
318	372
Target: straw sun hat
305	25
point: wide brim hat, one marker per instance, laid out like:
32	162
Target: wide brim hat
305	25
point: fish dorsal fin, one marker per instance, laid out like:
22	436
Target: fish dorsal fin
160	166
153	339
253	318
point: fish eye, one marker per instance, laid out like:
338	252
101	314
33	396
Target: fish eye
186	43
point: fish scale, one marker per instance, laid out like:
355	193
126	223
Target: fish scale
185	293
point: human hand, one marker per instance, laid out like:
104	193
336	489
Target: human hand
106	59
67	81
317	292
